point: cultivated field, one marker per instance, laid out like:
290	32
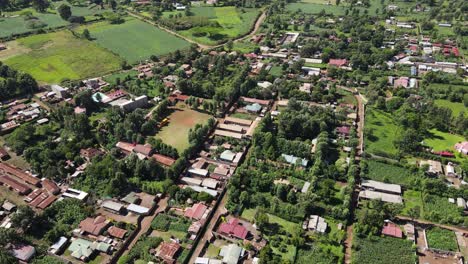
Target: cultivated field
380	171
134	40
180	122
233	23
384	250
443	239
53	57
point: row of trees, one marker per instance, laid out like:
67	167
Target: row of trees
14	83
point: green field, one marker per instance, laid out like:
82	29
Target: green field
315	8
442	141
456	108
53	57
413	199
383	250
134	40
180	122
381	132
443	239
380	171
233	23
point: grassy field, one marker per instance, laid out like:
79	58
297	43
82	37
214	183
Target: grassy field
311	7
53	57
233	23
246	116
380	171
413	199
442	141
443	239
381	132
134	40
180	122
383	250
456	108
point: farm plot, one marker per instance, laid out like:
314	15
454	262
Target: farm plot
381	132
232	23
380	171
442	239
134	40
54	57
180	123
383	250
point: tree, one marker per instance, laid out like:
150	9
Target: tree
64	11
86	35
229	45
261	219
414	212
40	5
23	217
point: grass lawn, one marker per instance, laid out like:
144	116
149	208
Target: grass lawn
276	71
312	7
180	122
442	141
380	171
134	40
246	116
53	57
456	108
233	23
413	199
381	132
212	251
112	79
382	250
442	239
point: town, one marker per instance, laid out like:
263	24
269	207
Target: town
226	131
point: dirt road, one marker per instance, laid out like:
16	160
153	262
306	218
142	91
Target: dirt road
424	222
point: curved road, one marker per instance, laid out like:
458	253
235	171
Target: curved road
257	25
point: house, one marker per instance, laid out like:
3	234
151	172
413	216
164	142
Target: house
227	155
462	147
130	198
210	183
58	246
143	149
237	121
435	167
410	231
89	153
168	251
461	202
197	211
384	197
232	253
137	209
12	170
381	187
293	160
450	170
338	62
233	228
59	91
253	108
50	186
391	229
191	181
75	194
229	134
198	172
343	131
117	232
163	160
20	188
23	252
112	206
317	224
8	206
82	249
94	226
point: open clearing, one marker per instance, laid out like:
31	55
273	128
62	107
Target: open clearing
233	23
180	122
58	56
456	108
442	141
381	132
134	40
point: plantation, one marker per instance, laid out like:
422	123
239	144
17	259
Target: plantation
383	250
54	57
381	132
134	40
442	239
381	171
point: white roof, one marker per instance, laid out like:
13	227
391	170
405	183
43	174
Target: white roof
381	186
137	209
202	189
74	193
201	172
115	206
305	187
202	260
210	183
59	244
191	181
385	197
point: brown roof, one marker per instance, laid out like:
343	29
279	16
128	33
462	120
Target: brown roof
117	232
89	152
94	226
50	186
19	173
164	160
142	149
17	186
48	201
168	251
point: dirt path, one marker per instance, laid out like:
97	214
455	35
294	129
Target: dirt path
202	47
424	222
220	210
348	244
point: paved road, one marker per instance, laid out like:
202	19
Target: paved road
220	210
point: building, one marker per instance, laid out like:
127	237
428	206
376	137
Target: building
210	183
138	102
59	91
233	229
385	197
293	160
4	154
112	206
12	170
198	172
18	187
94	226
163	160
391	229
58	246
227	155
168	252
89	153
253	108
50	186
237	121
317	224
224	133
117	232
381	187
191	181
410	231
82	249
232	253
343	131
22	252
462	147
197	211
434	167
338	62
137	209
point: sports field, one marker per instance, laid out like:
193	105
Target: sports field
233	23
53	57
134	40
180	122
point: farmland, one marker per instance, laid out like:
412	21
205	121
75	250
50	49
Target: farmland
232	23
442	239
140	42
180	123
381	132
315	8
442	141
53	57
380	171
384	250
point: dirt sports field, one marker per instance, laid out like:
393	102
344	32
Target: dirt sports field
180	122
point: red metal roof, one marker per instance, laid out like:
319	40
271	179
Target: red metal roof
17	186
19	173
233	228
391	229
338	62
117	232
164	160
196	212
